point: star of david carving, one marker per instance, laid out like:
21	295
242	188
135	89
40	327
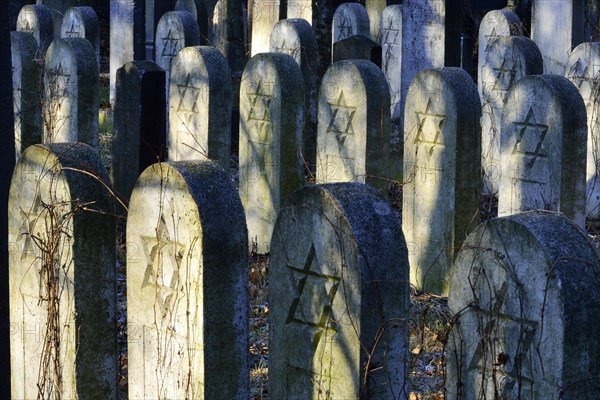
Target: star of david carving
341	119
260	103
59	82
583	79
164	257
292	51
501	84
429	130
29	220
491	38
389	31
188	96
530	138
29	15
74	31
484	358
170	46
345	28
314	295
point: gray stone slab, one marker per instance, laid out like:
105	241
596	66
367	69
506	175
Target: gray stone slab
187	281
154	10
264	14
508	59
350	19
82	22
442	172
544	144
219	20
71	100
300	9
357	47
583	69
61	275
175	30
338	297
200	106
270	163
525	296
27	90
37	19
375	11
353	137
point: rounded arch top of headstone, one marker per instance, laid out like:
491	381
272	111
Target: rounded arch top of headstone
339	270
583	69
295	37
525	292
187	5
81	21
350	19
498	23
175	30
37	19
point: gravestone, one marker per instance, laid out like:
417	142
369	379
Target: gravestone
271	115
583	69
264	14
218	20
544	145
430	37
58	8
139	123
82	22
357	47
27	91
350	19
353	134
495	24
37	20
200	106
61	275
390	39
189	6
375	11
70	109
297	38
520	331
442	172
338	297
187	281
300	9
154	10
507	60
175	30
126	36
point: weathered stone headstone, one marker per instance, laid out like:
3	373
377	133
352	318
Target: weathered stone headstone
495	24
583	69
507	60
375	11
218	20
37	19
442	172
354	126
58	8
350	19
357	47
175	30
70	109
27	91
126	36
525	293
297	38
264	14
300	9
200	106
431	37
189	6
338	297
61	272
390	39
154	10
544	144
82	22
271	115
139	123
187	278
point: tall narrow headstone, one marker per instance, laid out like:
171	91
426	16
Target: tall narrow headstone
264	16
126	36
271	115
495	24
187	278
507	60
200	106
544	145
520	331
37	19
297	38
27	91
139	123
353	134
583	70
390	39
375	11
350	19
175	30
430	37
82	22
61	271
71	105
338	297
442	172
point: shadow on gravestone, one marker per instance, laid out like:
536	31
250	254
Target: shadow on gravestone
62	283
357	47
37	19
175	30
187	282
339	297
82	22
263	14
525	293
350	19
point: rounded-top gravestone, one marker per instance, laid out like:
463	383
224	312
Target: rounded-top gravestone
350	19
37	19
82	22
175	30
